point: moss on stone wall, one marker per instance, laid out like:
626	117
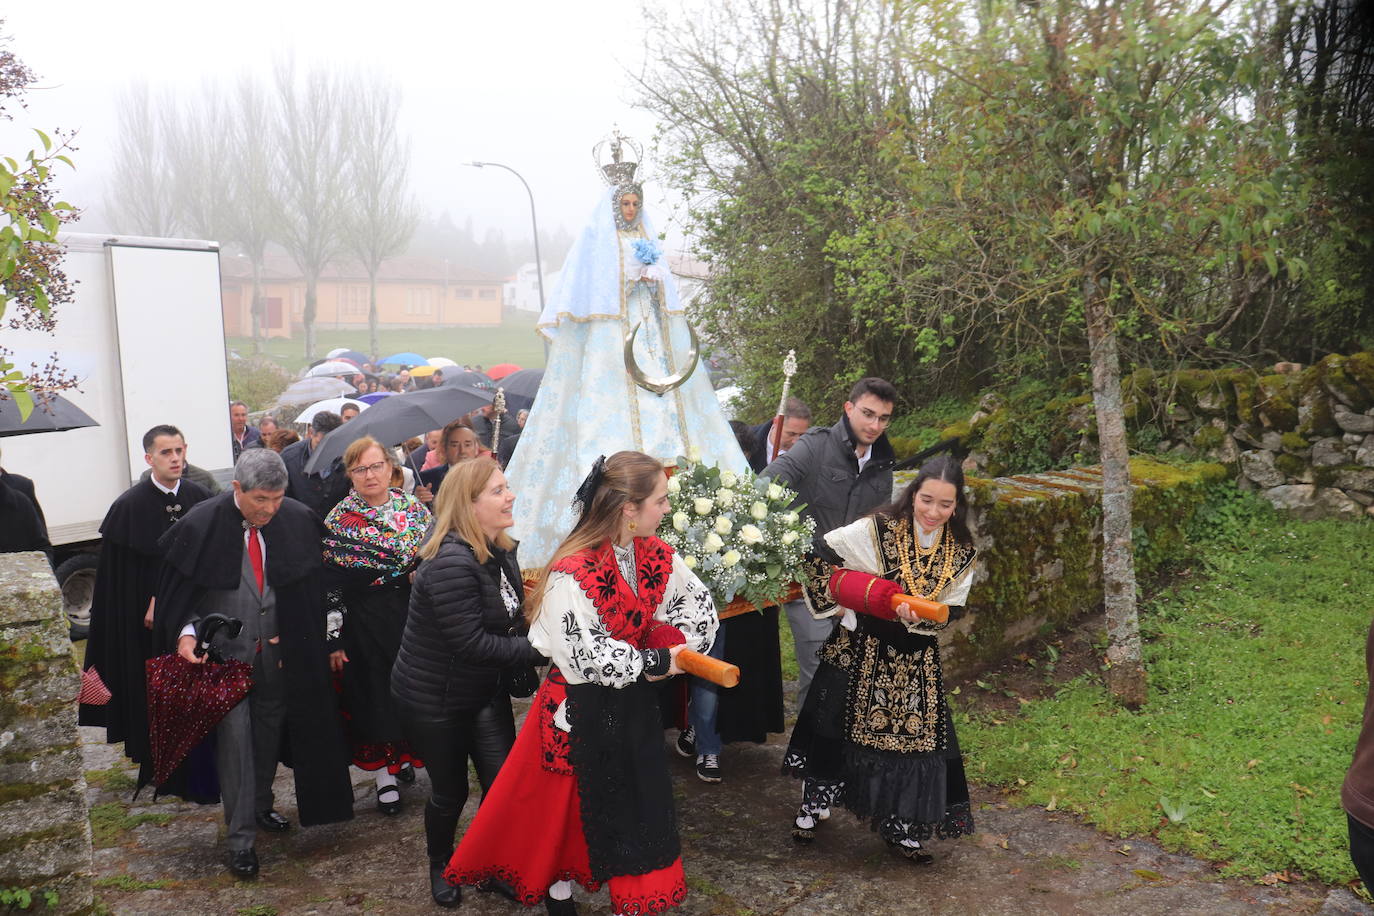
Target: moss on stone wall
1040	546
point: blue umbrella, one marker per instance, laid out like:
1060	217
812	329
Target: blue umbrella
374	397
405	359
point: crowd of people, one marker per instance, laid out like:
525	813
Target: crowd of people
387	625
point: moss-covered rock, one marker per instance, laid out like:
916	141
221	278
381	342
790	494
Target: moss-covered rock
1340	376
1208	437
1040	546
1294	443
1277	405
1292	467
1359	367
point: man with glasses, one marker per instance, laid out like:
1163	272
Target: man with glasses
840	473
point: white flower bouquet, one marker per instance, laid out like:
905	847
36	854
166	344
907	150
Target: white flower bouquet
739	532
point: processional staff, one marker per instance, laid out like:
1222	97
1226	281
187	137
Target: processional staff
789	369
498	405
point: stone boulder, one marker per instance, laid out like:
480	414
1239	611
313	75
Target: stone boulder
1306	501
1258	466
1353	422
1328	453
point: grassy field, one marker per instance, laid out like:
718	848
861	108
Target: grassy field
514	341
1257	684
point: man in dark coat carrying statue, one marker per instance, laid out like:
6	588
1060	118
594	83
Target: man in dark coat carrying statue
255	555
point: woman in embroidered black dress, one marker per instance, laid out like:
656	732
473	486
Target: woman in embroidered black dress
585	794
370	551
875	735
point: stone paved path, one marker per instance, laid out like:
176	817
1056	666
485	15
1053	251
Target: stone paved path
739	856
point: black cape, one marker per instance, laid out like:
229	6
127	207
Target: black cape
205	551
21	525
119	644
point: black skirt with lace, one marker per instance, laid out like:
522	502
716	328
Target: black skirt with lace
875	735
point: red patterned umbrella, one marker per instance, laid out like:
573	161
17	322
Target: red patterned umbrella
185	701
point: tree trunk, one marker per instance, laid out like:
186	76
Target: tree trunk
372	312
308	319
1126	677
257	309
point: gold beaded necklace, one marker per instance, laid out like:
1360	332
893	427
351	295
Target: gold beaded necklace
926	572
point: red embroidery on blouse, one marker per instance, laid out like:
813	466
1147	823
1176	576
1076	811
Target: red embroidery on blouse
627	616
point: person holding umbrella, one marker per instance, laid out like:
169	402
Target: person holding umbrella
253	554
373	535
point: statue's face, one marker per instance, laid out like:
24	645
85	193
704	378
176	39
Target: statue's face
629	208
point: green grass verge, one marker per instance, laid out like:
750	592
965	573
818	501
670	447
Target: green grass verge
513	341
1257	684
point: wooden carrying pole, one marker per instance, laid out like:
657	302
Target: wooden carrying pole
708	668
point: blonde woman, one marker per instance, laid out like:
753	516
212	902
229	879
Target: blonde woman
586	795
463	653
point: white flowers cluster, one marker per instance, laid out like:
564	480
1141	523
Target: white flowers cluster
739	532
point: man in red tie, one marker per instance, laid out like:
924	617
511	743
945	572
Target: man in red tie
254	554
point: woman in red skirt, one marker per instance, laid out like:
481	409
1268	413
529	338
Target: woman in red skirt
585	794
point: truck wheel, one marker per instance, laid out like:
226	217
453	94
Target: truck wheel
76	577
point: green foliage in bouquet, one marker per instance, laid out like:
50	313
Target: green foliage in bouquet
740	533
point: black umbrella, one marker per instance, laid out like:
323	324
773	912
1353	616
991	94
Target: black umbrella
399	417
521	387
467	378
51	413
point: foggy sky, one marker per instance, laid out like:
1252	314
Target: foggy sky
529	84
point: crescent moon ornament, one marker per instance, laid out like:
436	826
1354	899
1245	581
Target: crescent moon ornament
660	386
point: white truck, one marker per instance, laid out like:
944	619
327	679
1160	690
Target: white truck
144	334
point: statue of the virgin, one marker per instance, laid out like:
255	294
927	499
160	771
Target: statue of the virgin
622	372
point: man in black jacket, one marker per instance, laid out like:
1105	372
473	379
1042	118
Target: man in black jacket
841	473
321	492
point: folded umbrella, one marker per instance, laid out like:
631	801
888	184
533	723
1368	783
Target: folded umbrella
399	417
51	413
186	701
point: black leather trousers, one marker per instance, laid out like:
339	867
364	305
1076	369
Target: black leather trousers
485	737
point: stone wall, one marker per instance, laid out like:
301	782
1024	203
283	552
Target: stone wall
45	833
1302	437
1040	545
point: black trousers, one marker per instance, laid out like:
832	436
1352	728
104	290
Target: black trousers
1362	850
485	737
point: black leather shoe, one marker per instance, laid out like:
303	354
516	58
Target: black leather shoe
916	855
445	894
243	863
406	774
497	886
272	822
565	907
391	807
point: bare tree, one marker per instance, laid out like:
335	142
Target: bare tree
252	185
197	163
141	199
381	216
312	133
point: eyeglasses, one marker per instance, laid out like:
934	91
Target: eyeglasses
364	470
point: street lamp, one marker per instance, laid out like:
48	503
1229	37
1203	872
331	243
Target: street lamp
538	264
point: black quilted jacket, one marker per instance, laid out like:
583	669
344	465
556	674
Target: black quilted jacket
458	637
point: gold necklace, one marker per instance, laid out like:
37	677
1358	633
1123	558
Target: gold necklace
925	573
